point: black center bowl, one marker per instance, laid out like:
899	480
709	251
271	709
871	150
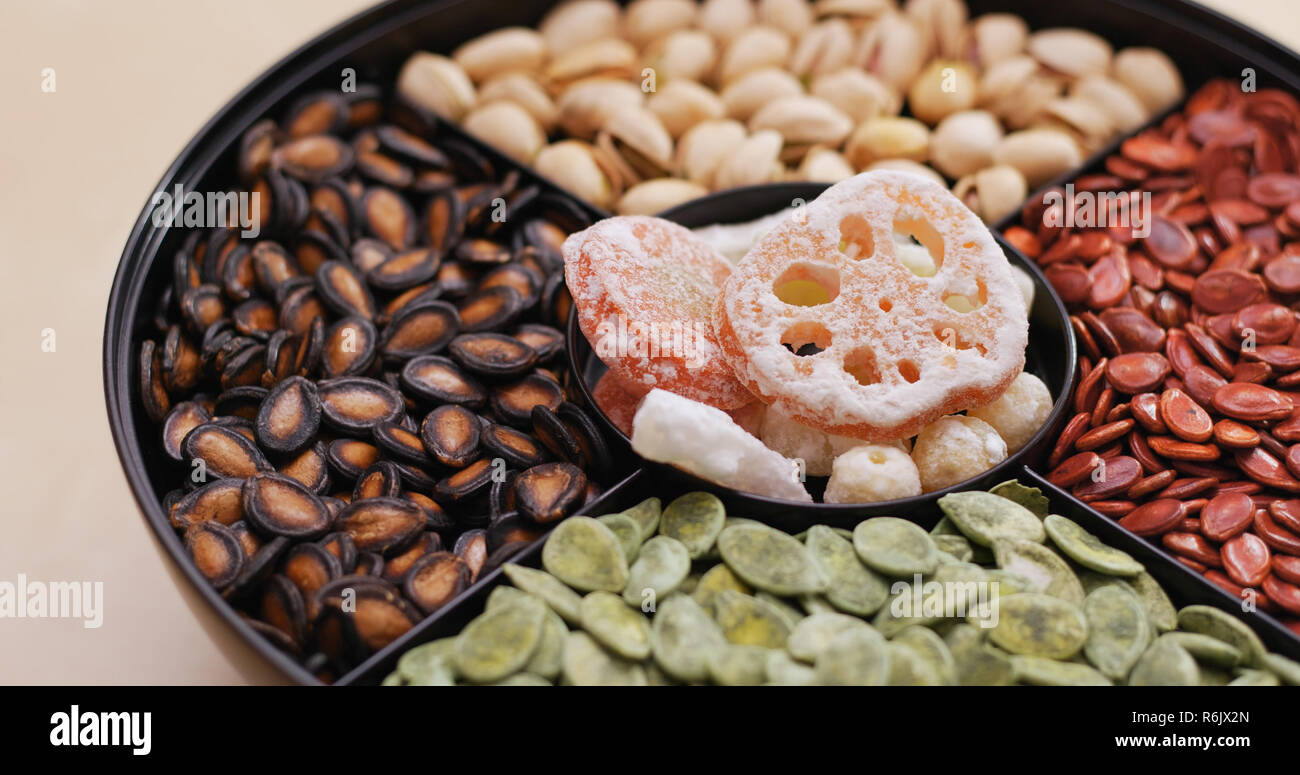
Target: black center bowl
1050	356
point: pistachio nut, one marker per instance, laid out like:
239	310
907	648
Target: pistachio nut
507	126
945	86
963	142
823	48
436	83
994	37
1150	75
754	161
803	120
585	106
790	16
856	94
893	49
992	192
640	140
753	49
688	54
572	164
1090	127
943	24
573	23
888	137
1070	50
824	165
608	57
1016	90
725	19
525	92
851	9
703	147
646	20
1039	154
745	95
655	196
1004	78
510	49
1125	111
908	166
681	105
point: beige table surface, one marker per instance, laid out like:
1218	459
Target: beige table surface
134	80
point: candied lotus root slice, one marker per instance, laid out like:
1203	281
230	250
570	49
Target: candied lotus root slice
643	289
616	401
883	306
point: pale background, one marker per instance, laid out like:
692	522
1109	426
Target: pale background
135	80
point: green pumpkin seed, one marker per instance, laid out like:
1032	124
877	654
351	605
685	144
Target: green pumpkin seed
618	628
748	621
552	591
1160	609
792	614
587	663
661	566
548	661
855	657
656	677
767	559
586	555
1031	498
1038	625
646	515
945	527
430	664
1009	583
713	582
1118	631
1087	550
1049	672
695	519
500	641
1286	669
784	671
816	604
908	668
930	647
627	531
955	545
393	679
523	679
984	517
1212	676
1092	581
734	665
977	663
1207	650
683	636
1044	568
854	588
895	547
503	594
813	635
1225	627
1247	677
1165	663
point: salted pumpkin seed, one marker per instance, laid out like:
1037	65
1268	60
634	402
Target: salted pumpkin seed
1050	672
492	355
955	546
586	555
713	582
1118	631
733	665
792	613
289	417
356	405
984	517
1031	498
183	418
661	565
748	621
439	380
931	648
382	525
1160	609
1165	663
855	657
500	641
770	560
224	451
587	663
616	626
1039	625
548	660
420	328
1087	550
451	435
1049	573
216	552
1286	669
429	664
1248	677
682	637
814	633
563	600
908	668
695	519
895	547
278	505
435	579
219	501
550	491
854	588
784	671
1227	628
1206	649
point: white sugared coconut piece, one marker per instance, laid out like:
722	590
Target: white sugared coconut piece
872	473
816	448
698	438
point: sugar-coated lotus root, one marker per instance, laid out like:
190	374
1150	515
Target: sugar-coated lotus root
616	401
872	473
834	319
954	449
643	289
1018	413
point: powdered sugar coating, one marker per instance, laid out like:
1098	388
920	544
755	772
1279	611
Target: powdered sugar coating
872	473
1018	413
954	449
882	311
643	289
698	438
816	448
